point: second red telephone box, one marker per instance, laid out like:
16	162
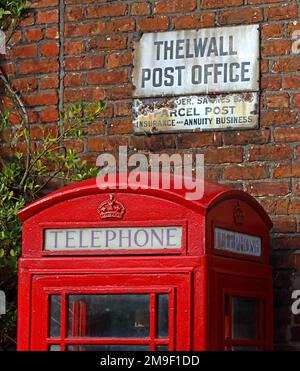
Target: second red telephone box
145	269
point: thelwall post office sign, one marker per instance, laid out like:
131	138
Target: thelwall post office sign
188	62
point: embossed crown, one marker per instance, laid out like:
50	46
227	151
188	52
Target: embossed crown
111	209
238	215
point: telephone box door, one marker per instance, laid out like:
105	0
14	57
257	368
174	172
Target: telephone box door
111	312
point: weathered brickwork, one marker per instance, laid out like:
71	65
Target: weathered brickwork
73	50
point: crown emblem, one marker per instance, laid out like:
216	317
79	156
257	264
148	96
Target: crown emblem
111	209
238	215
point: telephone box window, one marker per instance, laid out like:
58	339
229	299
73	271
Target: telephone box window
112	316
55	316
54	348
107	348
163	316
244	318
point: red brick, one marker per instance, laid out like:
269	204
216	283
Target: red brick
51	49
49	16
269	153
242	15
287	170
298	152
291	82
41	66
96	128
121	25
42	131
241	172
213	173
276	47
106	144
123	109
119	60
273	30
118	126
152	143
287	134
49	115
286	242
140	9
74	79
41	99
285	11
194	21
49	82
84	29
84	94
84	63
154	24
110	10
251	2
294	206
175	6
77	145
246	137
223	155
114	42
73	47
297	188
267	188
213	4
52	33
280	117
107	78
296	100
284	224
14	118
9	68
43	3
275	206
34	34
264	65
27	20
25	84
278	100
120	92
74	14
193	140
271	82
290	64
24	51
15	38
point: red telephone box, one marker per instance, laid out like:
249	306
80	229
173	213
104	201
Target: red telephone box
145	269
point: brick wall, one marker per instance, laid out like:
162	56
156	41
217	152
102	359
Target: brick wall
69	50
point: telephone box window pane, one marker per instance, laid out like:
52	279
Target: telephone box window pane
107	348
163	315
54	348
116	316
244	318
244	348
55	315
162	348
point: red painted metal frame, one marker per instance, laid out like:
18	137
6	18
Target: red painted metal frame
44	286
207	275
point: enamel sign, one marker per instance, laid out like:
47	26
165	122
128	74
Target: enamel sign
188	62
